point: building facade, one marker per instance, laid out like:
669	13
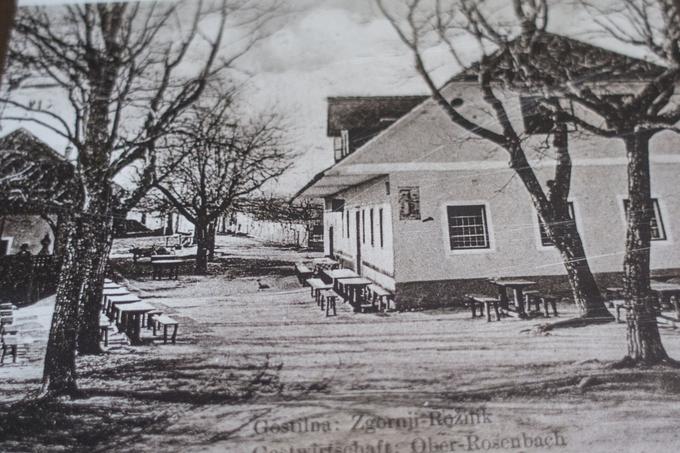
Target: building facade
431	212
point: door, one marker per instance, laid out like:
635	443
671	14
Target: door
330	242
358	230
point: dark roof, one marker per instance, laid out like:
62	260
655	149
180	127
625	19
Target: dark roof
561	58
367	112
35	178
21	139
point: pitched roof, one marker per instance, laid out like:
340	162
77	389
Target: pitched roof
367	112
21	139
563	58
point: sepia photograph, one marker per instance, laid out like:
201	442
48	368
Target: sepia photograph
340	226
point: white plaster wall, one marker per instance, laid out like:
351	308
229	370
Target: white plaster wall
378	262
422	251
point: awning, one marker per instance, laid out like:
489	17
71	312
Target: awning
331	181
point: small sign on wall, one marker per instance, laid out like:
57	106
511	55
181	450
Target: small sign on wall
409	203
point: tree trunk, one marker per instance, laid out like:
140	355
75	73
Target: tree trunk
584	288
211	240
201	236
8	10
554	213
88	339
644	341
59	373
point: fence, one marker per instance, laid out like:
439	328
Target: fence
26	279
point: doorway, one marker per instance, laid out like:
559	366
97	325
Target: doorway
358	230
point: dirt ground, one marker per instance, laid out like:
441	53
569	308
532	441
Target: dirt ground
264	371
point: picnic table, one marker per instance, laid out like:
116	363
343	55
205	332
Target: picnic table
352	289
114	301
517	286
109	292
333	275
131	319
109	285
170	264
325	263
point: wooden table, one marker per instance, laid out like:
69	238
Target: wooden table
111	285
171	264
337	274
131	319
325	263
109	292
120	300
352	288
517	286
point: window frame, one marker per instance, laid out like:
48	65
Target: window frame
491	248
539	224
537	229
9	240
658	207
571	127
381	227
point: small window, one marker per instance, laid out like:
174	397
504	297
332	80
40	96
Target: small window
537	118
344	136
370	219
545	240
342	223
380	226
347	225
363	226
4	246
468	227
657	230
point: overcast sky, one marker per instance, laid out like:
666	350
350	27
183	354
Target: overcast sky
330	48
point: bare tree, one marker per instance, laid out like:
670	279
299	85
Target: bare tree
279	210
634	114
8	10
126	71
227	159
453	25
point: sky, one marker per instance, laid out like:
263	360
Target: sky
331	48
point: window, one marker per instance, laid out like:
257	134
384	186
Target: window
657	230
545	240
370	219
537	118
380	225
5	244
348	225
342	223
468	227
363	226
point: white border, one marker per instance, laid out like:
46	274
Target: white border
445	228
537	228
664	218
10	239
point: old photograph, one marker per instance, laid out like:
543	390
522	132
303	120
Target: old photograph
339	226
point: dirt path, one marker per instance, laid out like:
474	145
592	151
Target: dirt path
265	371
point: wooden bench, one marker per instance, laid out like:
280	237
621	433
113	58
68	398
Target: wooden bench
165	322
329	299
484	303
380	295
10	340
104	324
317	285
303	273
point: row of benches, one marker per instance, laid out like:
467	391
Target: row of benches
375	298
152	319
